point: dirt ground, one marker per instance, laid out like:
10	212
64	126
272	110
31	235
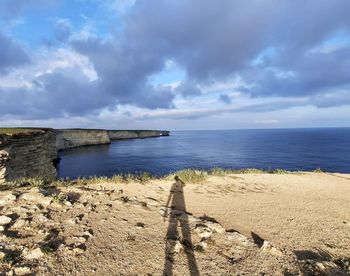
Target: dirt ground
243	224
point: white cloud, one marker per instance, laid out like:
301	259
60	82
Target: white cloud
47	61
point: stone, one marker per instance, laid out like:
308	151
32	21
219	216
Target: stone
215	227
22	270
203	231
42	218
37	197
178	247
2	228
267	247
4	220
79	240
21	223
89	233
2	255
237	237
78	250
4	200
34	254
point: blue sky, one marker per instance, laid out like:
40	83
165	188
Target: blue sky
199	64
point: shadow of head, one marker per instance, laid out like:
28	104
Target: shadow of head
178	179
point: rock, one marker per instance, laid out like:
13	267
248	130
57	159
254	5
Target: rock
79	239
42	218
21	223
2	255
34	254
78	250
174	246
215	227
37	197
89	233
267	247
202	246
4	220
22	270
178	247
203	231
2	228
237	237
324	266
4	200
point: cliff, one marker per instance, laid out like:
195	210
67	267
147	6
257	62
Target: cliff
70	138
134	134
28	154
31	153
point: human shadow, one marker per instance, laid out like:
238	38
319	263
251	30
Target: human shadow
178	217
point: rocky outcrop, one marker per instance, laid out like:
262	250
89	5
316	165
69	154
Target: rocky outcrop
28	155
32	153
71	138
134	134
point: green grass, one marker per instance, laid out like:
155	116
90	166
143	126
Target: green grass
11	131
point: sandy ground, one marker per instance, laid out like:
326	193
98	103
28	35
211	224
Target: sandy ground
246	224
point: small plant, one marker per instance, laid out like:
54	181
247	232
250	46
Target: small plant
318	170
47	248
10	257
61	198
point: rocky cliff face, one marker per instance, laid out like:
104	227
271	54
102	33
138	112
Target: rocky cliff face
32	153
70	138
28	155
133	134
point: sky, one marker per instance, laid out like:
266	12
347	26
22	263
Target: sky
175	64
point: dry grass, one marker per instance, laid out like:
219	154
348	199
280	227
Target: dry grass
186	175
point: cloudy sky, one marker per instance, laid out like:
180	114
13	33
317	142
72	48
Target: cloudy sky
175	64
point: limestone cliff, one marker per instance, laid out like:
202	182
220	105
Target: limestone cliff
31	153
28	155
133	134
70	138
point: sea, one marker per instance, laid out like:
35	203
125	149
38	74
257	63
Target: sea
327	149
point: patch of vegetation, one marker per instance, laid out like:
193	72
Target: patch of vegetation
25	182
11	256
47	248
61	198
11	131
279	171
218	171
246	171
191	176
318	170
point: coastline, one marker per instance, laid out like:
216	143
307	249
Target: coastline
247	222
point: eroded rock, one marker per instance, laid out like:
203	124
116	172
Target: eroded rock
4	220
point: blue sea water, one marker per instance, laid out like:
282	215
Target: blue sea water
290	149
